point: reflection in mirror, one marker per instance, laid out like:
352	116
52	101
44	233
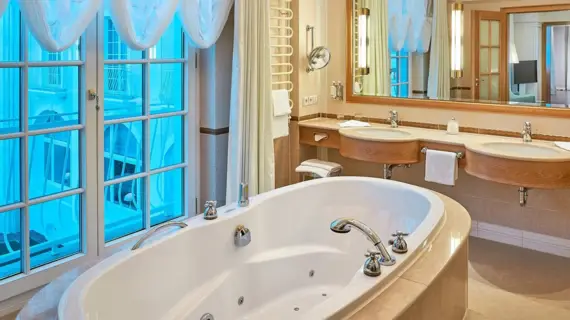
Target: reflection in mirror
515	56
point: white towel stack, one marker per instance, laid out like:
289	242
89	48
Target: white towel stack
320	168
441	167
281	111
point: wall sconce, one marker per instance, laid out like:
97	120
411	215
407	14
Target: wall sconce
457	40
363	15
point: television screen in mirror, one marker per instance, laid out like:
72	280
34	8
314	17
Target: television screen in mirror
514	56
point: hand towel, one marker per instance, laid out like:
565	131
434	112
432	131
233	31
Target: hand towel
441	167
563	145
281	105
354	124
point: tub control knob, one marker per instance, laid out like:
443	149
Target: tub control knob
399	245
372	264
242	236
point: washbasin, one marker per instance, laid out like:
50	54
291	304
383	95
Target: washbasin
372	133
522	151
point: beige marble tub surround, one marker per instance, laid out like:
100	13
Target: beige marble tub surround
468	140
435	283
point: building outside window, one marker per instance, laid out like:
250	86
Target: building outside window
55	212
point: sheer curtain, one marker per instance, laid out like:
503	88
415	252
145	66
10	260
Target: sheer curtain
378	81
251	154
141	23
204	20
57	24
3	5
439	79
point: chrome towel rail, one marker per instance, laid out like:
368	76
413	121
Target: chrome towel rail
152	231
460	155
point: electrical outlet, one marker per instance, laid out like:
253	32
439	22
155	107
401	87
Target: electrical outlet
306	101
312	100
316	99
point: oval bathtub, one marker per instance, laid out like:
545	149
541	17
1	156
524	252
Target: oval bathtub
294	267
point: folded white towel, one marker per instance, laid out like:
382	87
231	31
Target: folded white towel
441	167
320	168
354	124
281	105
314	170
563	145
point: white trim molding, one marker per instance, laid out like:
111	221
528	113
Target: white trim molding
520	238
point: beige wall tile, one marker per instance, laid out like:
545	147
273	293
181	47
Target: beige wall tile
552	223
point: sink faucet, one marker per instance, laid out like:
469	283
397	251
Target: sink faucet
342	225
393	118
527	132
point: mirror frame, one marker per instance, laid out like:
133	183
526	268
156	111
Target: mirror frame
456	105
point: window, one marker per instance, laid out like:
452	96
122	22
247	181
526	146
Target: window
55	211
399	73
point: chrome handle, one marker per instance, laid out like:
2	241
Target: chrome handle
151	232
210	204
400	234
372	254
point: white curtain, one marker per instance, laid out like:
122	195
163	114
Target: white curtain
378	81
410	25
251	154
439	80
58	24
399	24
141	23
3	5
204	20
513	55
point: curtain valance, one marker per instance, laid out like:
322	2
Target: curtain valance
410	24
58	24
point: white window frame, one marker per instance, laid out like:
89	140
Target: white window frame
15	290
399	84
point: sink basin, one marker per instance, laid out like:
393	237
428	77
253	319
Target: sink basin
376	134
522	151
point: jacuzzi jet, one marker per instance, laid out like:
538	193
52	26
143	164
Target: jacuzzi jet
324	294
296	309
240	300
311	273
207	316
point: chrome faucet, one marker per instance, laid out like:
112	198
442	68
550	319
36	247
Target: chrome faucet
210	211
393	118
343	225
243	196
527	132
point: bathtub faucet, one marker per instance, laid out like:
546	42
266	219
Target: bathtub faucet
343	225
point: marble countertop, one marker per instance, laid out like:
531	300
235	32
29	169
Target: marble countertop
480	143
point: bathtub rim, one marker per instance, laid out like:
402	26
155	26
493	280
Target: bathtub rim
78	289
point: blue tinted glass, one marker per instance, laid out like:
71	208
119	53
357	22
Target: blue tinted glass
115	48
166	87
9	100
53	97
54	230
403	69
53	161
123	91
124	209
10	172
166	196
123	150
10	244
404	90
394	91
37	53
10	31
166	142
170	44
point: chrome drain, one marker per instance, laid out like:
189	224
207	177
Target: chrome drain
207	316
296	309
240	300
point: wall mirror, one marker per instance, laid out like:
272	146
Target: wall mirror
481	55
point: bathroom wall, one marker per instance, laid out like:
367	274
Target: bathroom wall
546	212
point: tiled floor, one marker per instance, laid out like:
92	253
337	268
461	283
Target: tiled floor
507	282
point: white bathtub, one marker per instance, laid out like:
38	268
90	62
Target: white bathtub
198	270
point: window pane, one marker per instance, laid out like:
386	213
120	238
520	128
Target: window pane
115	48
123	149
166	87
9	99
53	161
123	91
404	91
404	70
54	230
124	209
53	96
170	44
167	142
394	92
10	173
37	53
166	201
10	31
10	244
